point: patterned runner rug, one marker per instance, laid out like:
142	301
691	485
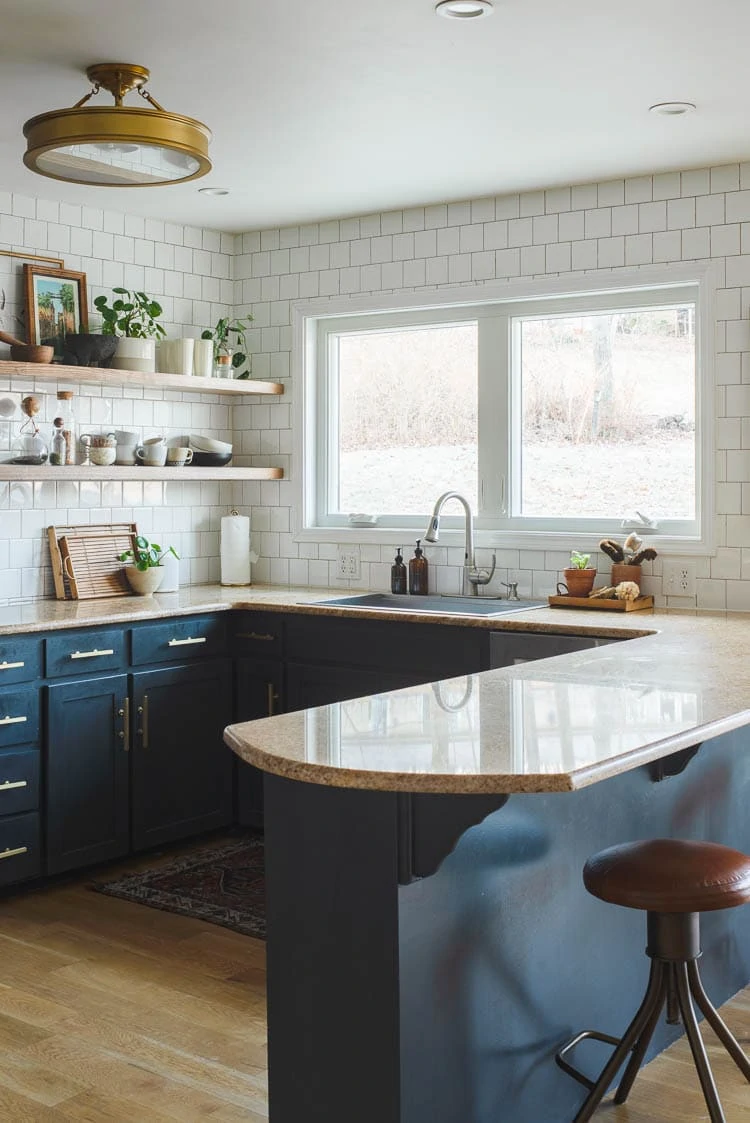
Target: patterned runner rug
223	884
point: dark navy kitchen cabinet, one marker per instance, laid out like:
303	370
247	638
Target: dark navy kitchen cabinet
181	769
259	693
87	772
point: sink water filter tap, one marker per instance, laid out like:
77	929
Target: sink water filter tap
236	555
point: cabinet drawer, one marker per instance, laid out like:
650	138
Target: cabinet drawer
20	854
19	782
85	653
260	634
20	660
19	716
200	637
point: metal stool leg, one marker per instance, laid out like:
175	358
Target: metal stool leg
641	1045
696	1045
714	1019
653	999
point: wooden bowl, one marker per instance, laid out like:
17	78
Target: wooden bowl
30	353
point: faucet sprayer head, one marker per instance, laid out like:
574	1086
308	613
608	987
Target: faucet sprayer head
433	530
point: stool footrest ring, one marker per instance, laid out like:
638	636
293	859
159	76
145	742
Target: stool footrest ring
587	1035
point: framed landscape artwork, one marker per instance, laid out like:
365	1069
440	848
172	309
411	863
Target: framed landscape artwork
56	305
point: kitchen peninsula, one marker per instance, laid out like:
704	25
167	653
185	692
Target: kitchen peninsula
430	940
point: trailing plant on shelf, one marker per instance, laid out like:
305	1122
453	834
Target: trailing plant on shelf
132	315
229	339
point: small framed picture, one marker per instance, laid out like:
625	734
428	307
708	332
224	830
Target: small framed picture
56	305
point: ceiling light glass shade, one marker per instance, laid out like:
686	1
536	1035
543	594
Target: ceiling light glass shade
117	146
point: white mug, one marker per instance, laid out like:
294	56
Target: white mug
125	454
152	442
152	456
178	456
126	437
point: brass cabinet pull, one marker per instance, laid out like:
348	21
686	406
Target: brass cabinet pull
8	784
271	697
11	666
92	654
185	642
13	853
267	637
143	711
12	720
124	733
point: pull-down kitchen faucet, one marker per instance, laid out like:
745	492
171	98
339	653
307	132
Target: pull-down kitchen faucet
472	577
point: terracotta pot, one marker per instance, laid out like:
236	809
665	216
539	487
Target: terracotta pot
580	582
144	582
622	572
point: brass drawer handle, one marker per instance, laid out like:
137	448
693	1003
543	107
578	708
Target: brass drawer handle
8	784
267	637
14	853
124	733
12	720
143	712
185	642
11	666
92	654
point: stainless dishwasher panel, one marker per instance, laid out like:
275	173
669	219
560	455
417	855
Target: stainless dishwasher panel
509	648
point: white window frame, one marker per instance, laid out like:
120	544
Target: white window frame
315	321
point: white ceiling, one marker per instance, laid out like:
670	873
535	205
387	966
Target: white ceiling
323	108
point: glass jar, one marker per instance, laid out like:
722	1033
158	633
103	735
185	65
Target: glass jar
66	415
223	361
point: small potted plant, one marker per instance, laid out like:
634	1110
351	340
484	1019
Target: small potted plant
132	318
230	347
579	578
146	572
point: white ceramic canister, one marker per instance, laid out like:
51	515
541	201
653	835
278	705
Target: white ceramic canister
236	555
203	358
175	356
135	354
171	579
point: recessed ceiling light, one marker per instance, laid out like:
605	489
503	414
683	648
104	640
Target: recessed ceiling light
213	190
672	108
464	9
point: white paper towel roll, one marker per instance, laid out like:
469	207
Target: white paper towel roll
236	555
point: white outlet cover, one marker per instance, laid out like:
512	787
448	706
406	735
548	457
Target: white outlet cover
348	566
678	578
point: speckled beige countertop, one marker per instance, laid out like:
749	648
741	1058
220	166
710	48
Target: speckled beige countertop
552	725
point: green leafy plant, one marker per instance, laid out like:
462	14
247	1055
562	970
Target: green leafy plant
132	314
147	555
222	337
579	561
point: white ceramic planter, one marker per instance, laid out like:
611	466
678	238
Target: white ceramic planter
135	354
171	566
203	358
144	582
175	356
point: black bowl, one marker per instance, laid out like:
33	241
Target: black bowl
82	350
210	459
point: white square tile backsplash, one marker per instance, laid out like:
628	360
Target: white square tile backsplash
199	275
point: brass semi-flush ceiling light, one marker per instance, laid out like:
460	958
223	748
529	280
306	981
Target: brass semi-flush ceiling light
117	145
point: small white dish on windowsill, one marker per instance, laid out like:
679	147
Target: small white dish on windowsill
361	519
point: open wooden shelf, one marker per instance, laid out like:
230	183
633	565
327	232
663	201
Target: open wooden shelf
108	376
77	472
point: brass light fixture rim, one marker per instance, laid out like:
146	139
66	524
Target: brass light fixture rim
59	128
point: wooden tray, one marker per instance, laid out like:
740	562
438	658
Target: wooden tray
85	559
601	604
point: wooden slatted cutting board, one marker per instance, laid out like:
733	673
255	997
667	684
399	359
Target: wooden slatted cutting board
85	560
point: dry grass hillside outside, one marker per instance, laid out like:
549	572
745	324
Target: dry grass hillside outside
607	416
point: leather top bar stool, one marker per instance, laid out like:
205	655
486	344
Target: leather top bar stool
673	881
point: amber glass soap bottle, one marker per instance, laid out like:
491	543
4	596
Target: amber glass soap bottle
398	574
418	572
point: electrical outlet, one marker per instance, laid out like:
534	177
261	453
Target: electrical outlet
349	568
678	579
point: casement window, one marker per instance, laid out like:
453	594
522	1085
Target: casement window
563	414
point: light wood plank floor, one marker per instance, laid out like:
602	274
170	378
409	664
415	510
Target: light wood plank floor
111	1012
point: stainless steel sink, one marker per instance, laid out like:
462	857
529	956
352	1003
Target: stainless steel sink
441	605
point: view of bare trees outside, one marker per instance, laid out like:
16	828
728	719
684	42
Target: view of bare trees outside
609	414
407	418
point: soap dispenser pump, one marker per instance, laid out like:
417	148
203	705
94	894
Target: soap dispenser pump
398	574
418	572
